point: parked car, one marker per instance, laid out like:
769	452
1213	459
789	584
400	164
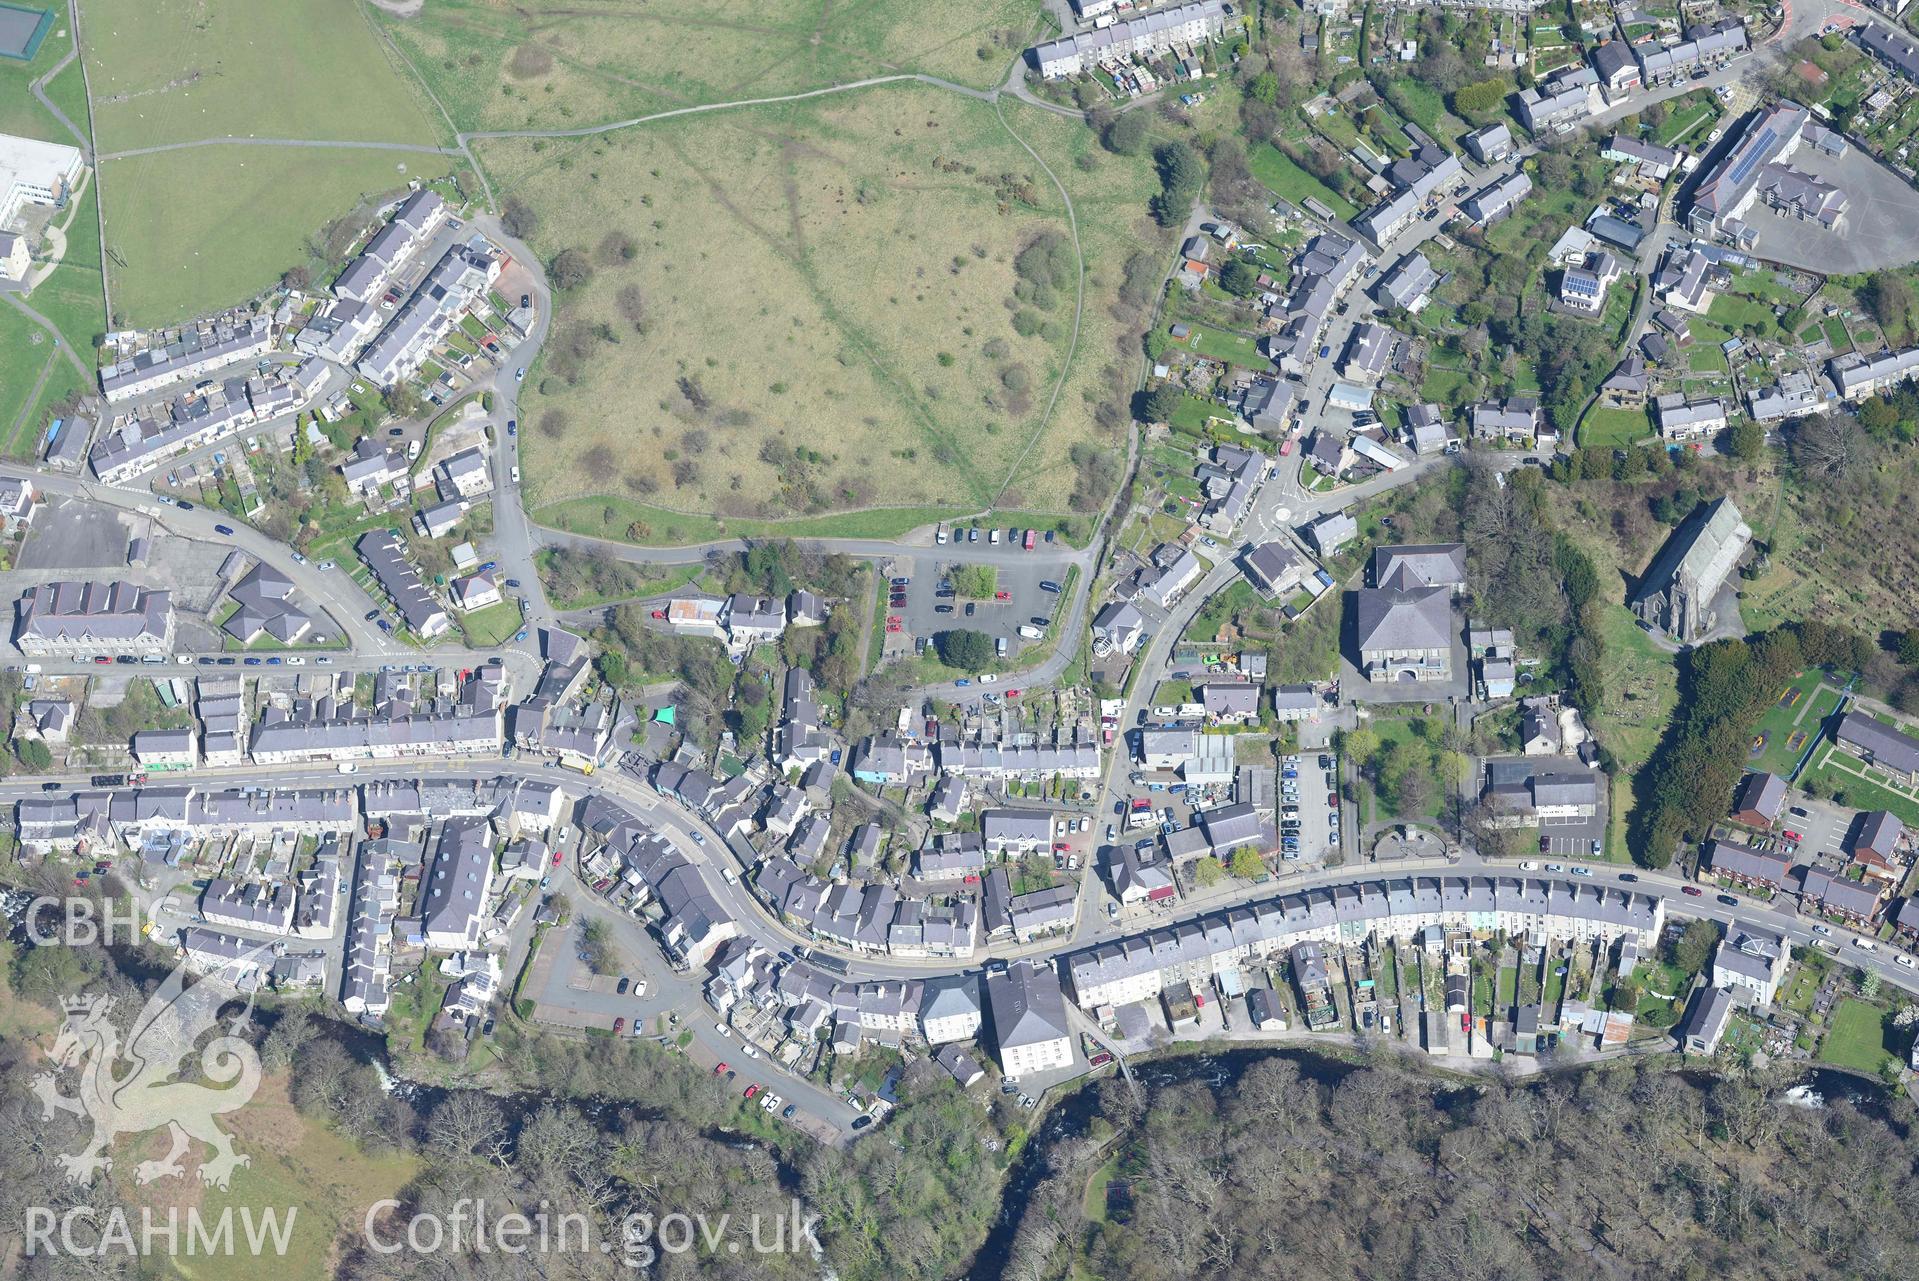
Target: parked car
224	529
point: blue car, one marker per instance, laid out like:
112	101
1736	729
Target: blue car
224	529
962	681
520	635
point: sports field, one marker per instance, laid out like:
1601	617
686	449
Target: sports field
175	254
560	64
817	314
167	71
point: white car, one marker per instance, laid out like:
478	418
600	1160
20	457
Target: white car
749	1049
516	473
347	767
1822	929
723	1029
771	1102
325	564
986	678
296	660
1904	960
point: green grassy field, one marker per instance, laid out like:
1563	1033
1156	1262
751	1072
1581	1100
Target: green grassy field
1221	344
183	70
1779	722
1284	178
1612	428
495	625
1857	1037
554	63
866	380
24	353
177	254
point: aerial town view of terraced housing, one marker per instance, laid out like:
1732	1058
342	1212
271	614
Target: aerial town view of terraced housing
934	639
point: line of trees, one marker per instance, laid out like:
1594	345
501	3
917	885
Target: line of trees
1724	689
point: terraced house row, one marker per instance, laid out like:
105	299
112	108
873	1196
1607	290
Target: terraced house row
1138	967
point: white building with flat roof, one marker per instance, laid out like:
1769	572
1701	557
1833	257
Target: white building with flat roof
35	172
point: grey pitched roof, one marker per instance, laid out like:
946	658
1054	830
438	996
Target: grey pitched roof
1403	618
1027	1004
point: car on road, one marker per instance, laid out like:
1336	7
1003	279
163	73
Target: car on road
224	529
1727	899
1582	871
1690	891
325	564
372	614
1822	929
385	626
519	375
962	681
184	505
1865	945
298	559
861	1122
516	473
1628	877
520	635
1903	959
987	678
1554	867
253	662
49	787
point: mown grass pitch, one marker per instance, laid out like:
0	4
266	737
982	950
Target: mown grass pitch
174	254
166	71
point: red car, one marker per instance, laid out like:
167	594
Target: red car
1061	847
619	1026
971	878
558	855
720	1070
1002	595
1690	891
893	618
659	613
751	1090
1793	836
1012	693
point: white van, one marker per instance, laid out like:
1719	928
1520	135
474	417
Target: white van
992	536
940	535
1030	632
999	646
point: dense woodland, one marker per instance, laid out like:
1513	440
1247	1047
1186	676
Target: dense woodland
1622	1172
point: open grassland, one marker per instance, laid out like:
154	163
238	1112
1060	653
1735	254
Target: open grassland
560	64
176	253
182	70
295	1162
71	297
814	312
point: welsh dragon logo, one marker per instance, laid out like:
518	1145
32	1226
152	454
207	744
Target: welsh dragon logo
145	1095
